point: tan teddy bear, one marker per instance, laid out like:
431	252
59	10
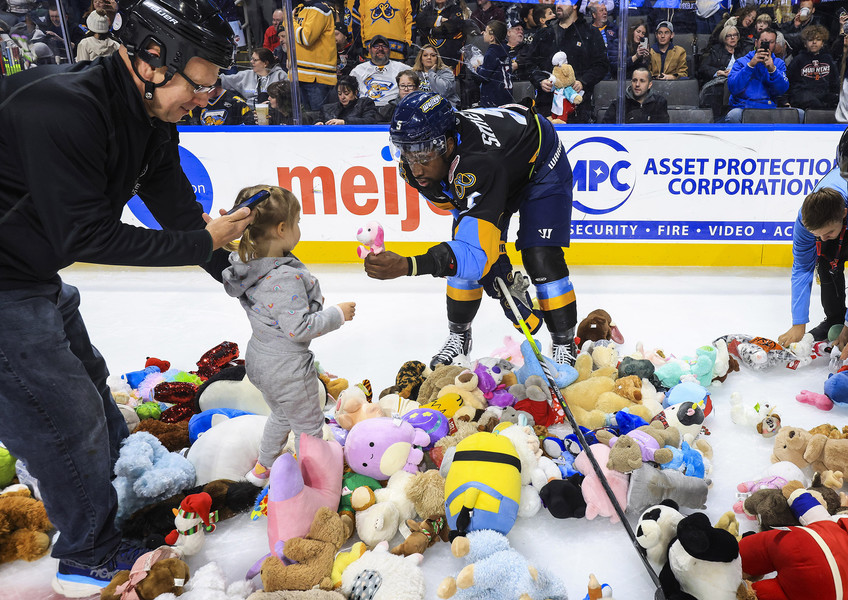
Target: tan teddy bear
628	452
592	400
565	96
801	447
314	555
23	526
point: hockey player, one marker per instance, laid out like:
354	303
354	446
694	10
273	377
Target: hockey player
485	165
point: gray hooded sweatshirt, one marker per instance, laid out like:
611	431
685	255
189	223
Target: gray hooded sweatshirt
284	304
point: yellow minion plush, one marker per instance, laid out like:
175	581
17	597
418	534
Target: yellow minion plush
483	486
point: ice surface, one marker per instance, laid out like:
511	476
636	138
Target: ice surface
177	314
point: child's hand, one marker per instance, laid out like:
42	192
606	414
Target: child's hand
348	309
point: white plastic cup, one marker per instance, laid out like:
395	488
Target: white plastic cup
262	113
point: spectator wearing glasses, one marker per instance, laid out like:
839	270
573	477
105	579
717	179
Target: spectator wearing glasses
350	109
434	75
719	59
111	134
253	85
378	76
407	82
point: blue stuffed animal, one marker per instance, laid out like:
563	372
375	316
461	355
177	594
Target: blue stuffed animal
146	473
497	572
564	375
687	460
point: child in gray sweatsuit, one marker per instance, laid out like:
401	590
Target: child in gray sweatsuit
284	304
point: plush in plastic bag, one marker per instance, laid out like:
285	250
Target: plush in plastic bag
472	57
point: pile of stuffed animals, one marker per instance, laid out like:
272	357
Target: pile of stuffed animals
458	454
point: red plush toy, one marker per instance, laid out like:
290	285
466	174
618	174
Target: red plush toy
811	561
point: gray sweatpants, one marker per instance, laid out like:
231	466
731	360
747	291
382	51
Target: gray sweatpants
296	402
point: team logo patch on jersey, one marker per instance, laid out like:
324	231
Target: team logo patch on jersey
376	88
214	117
462	182
384	11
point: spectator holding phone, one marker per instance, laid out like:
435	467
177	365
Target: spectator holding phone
757	79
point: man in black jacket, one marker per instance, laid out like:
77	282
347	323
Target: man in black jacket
641	104
586	53
77	143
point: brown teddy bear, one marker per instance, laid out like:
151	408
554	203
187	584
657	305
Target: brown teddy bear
164	573
424	534
23	526
593	398
629	451
801	447
596	326
566	98
441	376
426	490
313	555
174	436
830	431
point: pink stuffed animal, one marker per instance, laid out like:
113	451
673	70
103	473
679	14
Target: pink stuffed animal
597	502
371	238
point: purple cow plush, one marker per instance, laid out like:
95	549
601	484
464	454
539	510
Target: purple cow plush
382	446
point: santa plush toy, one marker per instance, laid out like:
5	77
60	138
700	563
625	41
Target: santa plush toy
811	560
192	520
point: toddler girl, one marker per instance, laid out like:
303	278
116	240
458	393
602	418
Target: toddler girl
284	304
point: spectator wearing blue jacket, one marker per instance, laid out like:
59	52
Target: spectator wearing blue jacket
757	79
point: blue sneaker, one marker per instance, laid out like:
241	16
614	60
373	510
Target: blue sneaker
73	581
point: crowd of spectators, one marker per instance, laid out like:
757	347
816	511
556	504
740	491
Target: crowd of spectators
763	54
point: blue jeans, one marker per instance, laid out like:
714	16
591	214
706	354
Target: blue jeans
59	416
315	94
734	115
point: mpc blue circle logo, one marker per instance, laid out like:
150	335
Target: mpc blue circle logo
200	183
604	178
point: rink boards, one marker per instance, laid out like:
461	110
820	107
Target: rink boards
661	195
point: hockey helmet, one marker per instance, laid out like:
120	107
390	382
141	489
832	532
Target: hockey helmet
842	155
421	125
182	28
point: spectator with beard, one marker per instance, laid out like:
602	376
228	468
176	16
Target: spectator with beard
641	104
585	49
378	77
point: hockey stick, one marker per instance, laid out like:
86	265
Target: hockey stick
658	595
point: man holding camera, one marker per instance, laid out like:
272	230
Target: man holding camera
757	79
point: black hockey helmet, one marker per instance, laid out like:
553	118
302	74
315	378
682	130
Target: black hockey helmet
420	126
842	155
182	28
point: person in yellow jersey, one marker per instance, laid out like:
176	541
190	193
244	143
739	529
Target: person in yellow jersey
391	19
314	35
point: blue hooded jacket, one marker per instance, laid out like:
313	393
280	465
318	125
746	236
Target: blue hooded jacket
756	88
